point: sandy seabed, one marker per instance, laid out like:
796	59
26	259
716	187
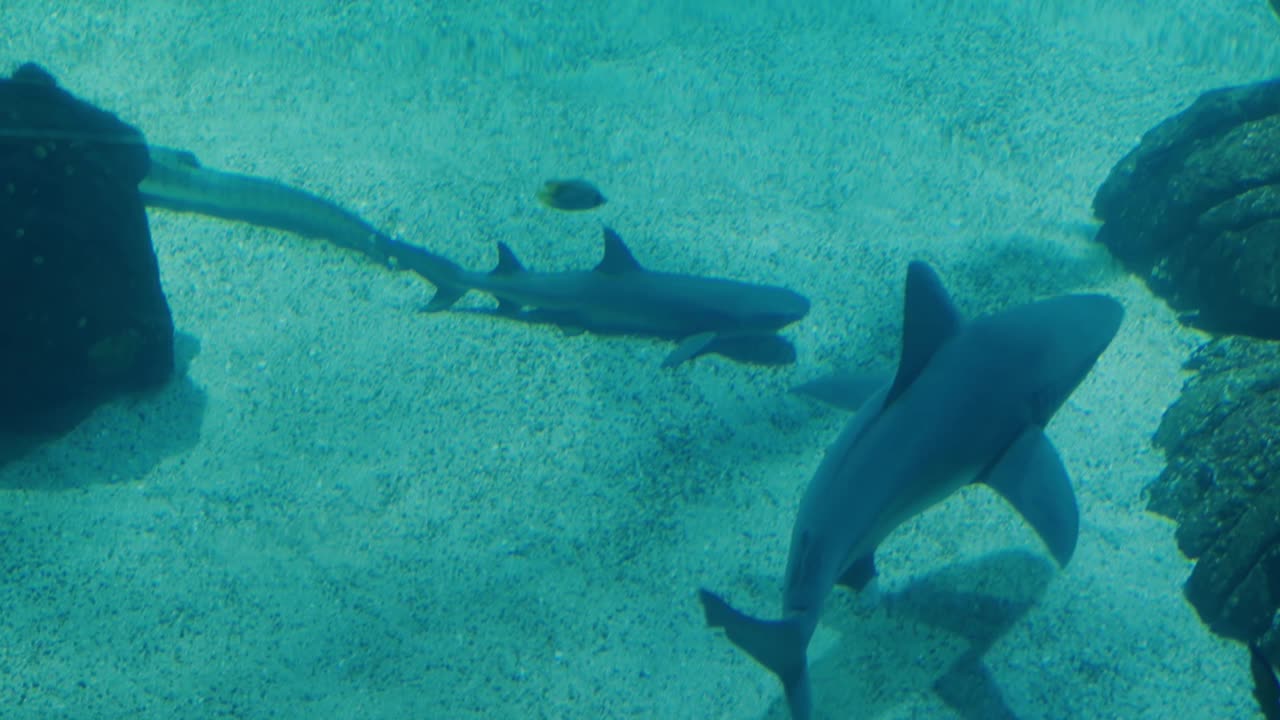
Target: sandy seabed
347	508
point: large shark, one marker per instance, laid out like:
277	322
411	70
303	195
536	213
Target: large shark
703	314
969	403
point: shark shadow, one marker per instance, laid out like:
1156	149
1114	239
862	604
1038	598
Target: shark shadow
958	613
764	350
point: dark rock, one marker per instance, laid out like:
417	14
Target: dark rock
82	313
1195	209
1222	486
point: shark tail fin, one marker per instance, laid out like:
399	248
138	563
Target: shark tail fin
779	645
438	270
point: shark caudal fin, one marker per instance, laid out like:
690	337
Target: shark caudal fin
438	270
779	645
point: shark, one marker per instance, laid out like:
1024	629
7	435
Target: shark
620	296
968	404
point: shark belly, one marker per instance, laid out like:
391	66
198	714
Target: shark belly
968	403
884	470
599	303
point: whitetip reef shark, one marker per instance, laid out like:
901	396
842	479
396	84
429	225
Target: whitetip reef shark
969	403
619	296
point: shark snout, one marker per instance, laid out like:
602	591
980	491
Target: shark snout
1090	321
780	309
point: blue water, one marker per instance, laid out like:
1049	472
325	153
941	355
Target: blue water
347	508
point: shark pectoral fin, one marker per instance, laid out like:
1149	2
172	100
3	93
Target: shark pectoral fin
444	298
688	349
1031	477
847	391
779	645
860	572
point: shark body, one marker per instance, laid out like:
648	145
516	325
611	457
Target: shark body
969	403
620	296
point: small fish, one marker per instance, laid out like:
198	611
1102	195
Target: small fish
575	194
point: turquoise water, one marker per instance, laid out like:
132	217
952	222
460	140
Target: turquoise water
347	508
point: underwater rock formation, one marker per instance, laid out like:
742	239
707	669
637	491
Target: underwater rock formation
1222	486
1195	209
82	313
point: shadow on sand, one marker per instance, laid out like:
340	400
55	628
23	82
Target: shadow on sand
118	441
929	637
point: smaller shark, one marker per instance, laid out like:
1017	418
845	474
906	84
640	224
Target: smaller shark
736	319
969	403
620	297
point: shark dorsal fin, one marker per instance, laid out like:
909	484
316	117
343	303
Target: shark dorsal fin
507	262
928	320
617	257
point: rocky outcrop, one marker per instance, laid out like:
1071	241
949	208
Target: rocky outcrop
1222	486
1195	209
82	313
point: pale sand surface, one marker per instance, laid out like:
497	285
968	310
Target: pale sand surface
351	509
